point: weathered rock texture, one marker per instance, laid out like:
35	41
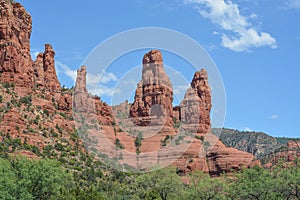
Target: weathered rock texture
206	152
196	105
224	159
80	101
288	154
15	30
154	93
44	71
40	114
83	102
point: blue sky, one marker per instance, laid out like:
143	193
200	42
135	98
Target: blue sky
255	45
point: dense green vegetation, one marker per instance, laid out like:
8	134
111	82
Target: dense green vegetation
285	140
22	178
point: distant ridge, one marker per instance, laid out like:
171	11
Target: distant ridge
259	144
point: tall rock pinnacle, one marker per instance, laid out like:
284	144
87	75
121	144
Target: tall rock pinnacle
15	32
196	105
154	93
81	100
44	70
80	85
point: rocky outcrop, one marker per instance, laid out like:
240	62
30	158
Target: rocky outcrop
206	152
154	94
15	31
65	102
222	159
83	102
293	144
80	84
196	105
44	71
16	65
44	117
285	155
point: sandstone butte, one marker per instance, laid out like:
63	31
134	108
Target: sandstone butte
60	110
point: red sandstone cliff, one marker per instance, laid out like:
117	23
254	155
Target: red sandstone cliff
192	146
288	154
44	70
15	60
38	112
196	105
83	102
154	95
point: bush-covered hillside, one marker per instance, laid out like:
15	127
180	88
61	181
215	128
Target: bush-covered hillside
257	143
23	178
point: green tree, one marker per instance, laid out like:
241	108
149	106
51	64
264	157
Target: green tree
255	183
203	187
289	180
8	181
33	179
163	183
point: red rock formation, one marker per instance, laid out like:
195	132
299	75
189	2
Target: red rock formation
33	116
65	102
287	154
196	105
44	71
38	67
83	102
206	152
15	31
16	65
154	94
152	105
80	85
293	144
224	159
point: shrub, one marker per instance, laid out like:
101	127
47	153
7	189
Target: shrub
118	144
199	137
26	100
46	112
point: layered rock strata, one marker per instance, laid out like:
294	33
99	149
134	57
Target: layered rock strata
154	94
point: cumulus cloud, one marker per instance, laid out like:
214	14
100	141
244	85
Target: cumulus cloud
241	35
106	77
101	90
66	70
95	82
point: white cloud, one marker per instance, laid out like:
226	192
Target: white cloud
66	70
226	15
95	84
274	116
292	4
34	53
247	129
105	90
180	89
216	33
107	77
